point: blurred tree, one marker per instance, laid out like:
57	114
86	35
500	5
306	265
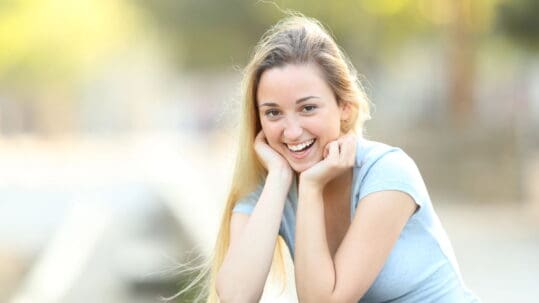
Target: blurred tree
221	33
51	41
461	62
206	34
46	49
518	19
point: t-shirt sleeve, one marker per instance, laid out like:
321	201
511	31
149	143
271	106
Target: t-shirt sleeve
247	204
394	170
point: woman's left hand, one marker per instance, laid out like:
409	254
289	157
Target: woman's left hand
339	155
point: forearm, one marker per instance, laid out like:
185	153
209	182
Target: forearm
314	267
246	266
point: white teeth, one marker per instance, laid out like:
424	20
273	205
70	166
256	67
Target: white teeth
300	146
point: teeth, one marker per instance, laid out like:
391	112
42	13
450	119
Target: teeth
300	146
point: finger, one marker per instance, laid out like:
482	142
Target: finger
333	150
260	137
341	140
348	150
326	151
346	137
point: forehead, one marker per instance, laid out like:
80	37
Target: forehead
291	82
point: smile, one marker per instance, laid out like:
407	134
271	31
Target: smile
300	147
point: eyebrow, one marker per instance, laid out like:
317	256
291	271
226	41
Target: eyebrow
272	104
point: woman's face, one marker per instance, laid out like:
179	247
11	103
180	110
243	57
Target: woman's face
298	113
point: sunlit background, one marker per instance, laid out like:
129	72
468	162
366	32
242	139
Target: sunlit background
117	129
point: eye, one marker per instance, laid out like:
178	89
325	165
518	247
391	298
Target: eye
271	113
308	108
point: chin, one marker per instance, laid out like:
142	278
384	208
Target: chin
299	168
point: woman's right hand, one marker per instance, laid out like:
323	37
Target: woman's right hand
271	159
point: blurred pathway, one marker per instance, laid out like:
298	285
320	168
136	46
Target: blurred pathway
497	247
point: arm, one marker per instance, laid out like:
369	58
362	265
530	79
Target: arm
244	271
379	219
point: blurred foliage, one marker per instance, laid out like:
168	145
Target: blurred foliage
519	20
208	33
214	33
48	41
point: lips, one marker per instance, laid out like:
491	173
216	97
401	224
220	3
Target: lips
300	150
301	146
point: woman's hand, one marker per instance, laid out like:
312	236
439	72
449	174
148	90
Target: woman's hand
271	159
339	155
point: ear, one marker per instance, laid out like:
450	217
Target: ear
345	111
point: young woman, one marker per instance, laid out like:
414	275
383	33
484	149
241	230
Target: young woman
354	214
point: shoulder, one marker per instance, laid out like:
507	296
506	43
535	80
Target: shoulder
383	167
390	159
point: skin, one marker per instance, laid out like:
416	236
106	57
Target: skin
296	105
342	273
336	260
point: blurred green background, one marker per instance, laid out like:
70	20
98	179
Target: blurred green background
117	129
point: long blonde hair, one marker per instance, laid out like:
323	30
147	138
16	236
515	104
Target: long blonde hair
295	39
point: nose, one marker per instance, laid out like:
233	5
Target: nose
292	129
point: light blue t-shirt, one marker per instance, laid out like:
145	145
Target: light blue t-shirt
421	266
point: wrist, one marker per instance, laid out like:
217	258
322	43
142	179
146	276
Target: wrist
280	176
309	186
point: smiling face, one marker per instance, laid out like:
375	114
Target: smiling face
298	113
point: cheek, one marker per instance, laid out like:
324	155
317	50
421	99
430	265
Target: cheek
335	129
272	134
328	128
